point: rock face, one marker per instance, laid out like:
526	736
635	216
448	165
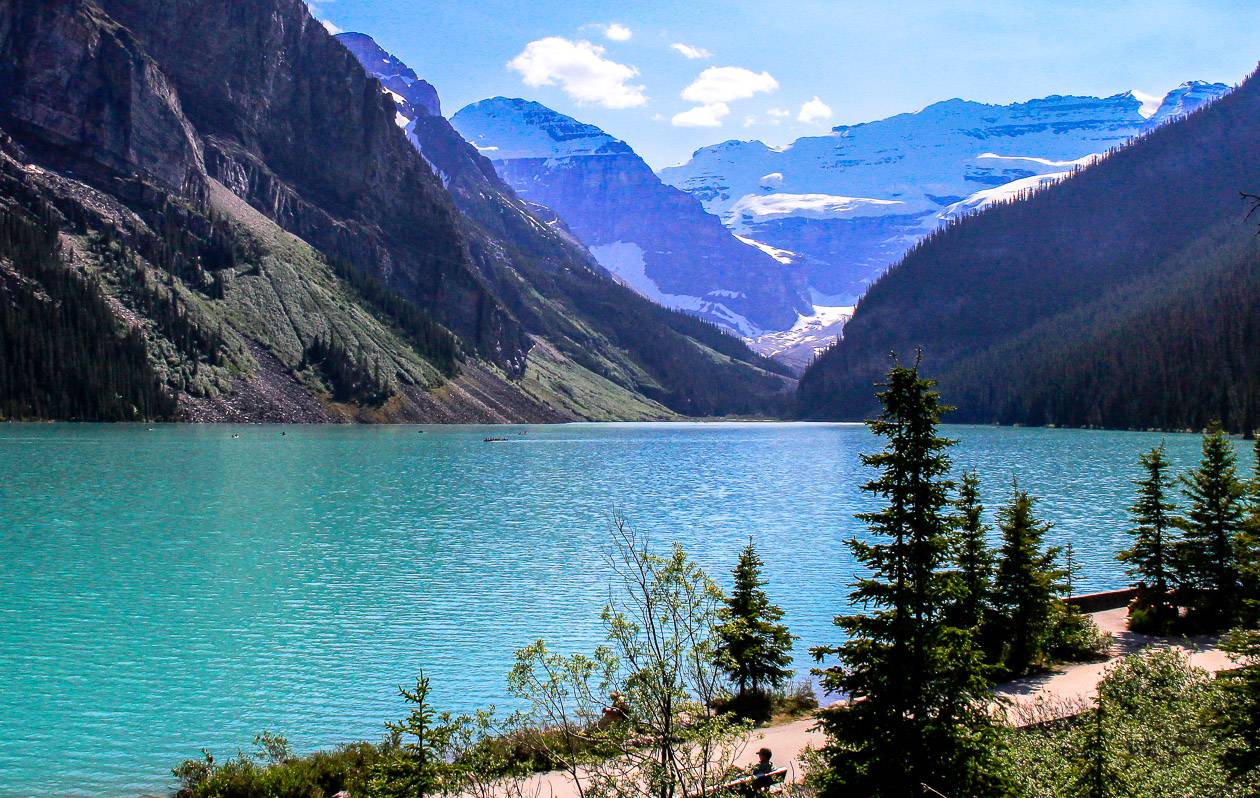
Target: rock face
231	199
409	89
100	103
656	239
293	127
850	203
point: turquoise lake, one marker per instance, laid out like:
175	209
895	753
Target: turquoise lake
184	587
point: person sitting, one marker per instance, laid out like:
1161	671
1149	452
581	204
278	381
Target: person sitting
762	770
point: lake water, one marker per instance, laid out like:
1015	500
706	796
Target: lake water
170	589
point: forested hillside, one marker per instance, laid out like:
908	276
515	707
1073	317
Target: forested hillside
1123	296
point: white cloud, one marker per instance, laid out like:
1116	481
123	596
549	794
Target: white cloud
707	115
687	51
814	111
318	12
581	70
717	85
749	121
618	32
782	113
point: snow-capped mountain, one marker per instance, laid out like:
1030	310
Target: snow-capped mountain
848	204
656	239
413	94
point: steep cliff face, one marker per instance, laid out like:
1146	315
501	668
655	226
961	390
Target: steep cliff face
407	87
656	239
296	129
79	88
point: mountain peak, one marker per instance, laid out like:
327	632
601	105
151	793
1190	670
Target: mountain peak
400	79
507	128
1187	98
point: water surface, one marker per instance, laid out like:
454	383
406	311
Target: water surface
186	586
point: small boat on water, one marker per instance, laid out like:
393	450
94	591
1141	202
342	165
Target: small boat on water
492	440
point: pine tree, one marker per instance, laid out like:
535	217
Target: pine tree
1071	568
1238	718
1026	586
755	648
973	555
918	718
1150	559
420	746
1213	530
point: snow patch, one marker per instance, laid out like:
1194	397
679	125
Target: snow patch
1006	191
1085	160
1149	102
809	335
762	208
625	260
784	256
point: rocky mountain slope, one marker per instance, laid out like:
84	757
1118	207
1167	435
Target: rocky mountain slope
656	239
848	204
221	192
1126	295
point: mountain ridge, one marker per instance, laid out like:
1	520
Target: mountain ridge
851	202
1088	260
654	238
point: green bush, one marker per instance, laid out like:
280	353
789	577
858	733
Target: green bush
754	705
1149	737
1074	637
259	776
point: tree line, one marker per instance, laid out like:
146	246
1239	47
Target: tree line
63	352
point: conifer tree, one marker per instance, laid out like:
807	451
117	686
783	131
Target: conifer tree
1150	558
1238	718
1213	531
1026	585
755	649
973	555
918	721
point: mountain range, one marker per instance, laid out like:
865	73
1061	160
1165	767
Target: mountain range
1127	295
211	212
655	238
848	204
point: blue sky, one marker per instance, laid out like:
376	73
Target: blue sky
780	70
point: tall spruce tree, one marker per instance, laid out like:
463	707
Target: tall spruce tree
918	720
1214	528
1150	558
1026	586
973	555
755	649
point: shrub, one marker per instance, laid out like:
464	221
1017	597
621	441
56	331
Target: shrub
1074	637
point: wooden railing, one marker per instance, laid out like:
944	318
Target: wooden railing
1107	600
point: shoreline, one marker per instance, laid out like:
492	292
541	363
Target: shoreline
1036	699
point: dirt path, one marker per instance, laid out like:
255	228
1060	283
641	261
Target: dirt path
1064	687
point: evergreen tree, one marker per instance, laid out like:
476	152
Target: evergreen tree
422	747
1026	586
973	555
755	649
918	718
1071	568
1238	718
1150	558
1213	530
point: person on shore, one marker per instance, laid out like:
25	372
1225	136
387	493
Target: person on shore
762	770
